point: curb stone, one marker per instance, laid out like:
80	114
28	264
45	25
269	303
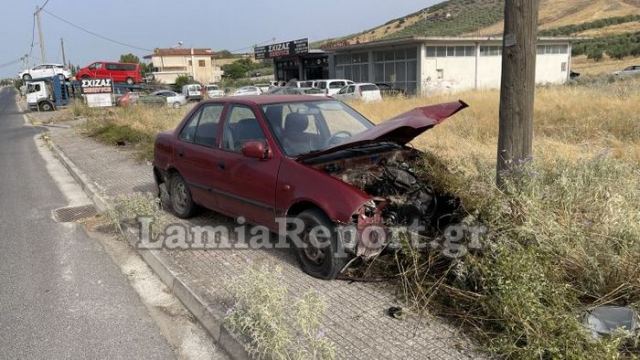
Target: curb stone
213	322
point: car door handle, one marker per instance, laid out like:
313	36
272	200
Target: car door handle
180	153
221	166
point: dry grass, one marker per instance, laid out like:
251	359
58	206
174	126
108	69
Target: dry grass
585	66
571	122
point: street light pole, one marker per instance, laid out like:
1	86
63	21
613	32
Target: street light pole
43	54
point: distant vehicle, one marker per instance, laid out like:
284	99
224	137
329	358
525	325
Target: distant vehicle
45	71
365	92
193	92
388	90
119	92
247	90
214	91
296	91
331	87
118	72
264	87
631	70
47	94
134	97
174	99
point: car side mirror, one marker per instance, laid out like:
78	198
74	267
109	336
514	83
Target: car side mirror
256	150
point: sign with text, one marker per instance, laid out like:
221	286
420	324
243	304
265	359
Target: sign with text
290	48
98	92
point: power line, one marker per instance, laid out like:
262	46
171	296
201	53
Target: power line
252	46
10	63
96	34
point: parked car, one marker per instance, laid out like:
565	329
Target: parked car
264	87
631	70
174	99
364	91
314	161
45	71
214	91
247	90
135	97
331	87
296	91
193	92
118	72
388	90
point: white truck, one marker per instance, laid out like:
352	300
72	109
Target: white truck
47	94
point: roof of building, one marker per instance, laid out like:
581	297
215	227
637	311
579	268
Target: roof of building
181	52
423	39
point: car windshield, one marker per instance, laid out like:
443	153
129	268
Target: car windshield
305	127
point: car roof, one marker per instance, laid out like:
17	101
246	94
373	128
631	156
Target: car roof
269	99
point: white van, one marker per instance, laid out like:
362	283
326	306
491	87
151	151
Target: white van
193	92
331	87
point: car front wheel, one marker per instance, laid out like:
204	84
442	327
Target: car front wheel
26	77
181	201
320	253
176	105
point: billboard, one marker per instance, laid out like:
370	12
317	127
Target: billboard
289	48
97	92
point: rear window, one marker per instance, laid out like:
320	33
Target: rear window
369	88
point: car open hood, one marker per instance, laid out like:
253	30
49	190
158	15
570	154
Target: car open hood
400	129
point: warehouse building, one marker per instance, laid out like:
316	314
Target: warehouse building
423	65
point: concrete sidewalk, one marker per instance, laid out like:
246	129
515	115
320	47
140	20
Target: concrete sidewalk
355	319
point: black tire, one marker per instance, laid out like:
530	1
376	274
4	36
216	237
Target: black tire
322	263
26	77
181	201
176	105
45	106
130	81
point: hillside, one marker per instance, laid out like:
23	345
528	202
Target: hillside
484	17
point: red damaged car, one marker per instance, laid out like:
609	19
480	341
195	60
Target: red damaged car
315	160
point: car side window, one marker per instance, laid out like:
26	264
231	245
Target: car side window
351	89
207	132
241	126
188	132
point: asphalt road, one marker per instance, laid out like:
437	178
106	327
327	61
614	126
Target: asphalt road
61	295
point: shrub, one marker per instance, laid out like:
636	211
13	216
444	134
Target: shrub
276	326
181	81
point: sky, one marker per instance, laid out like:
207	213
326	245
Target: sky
233	25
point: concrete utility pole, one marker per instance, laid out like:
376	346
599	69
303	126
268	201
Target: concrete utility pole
64	57
515	139
43	55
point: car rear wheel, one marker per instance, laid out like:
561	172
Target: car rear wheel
26	77
129	81
325	257
181	201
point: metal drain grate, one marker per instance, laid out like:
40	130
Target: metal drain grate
75	213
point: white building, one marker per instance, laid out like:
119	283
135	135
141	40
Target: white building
430	64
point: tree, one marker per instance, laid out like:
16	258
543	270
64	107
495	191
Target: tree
595	54
181	81
129	59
